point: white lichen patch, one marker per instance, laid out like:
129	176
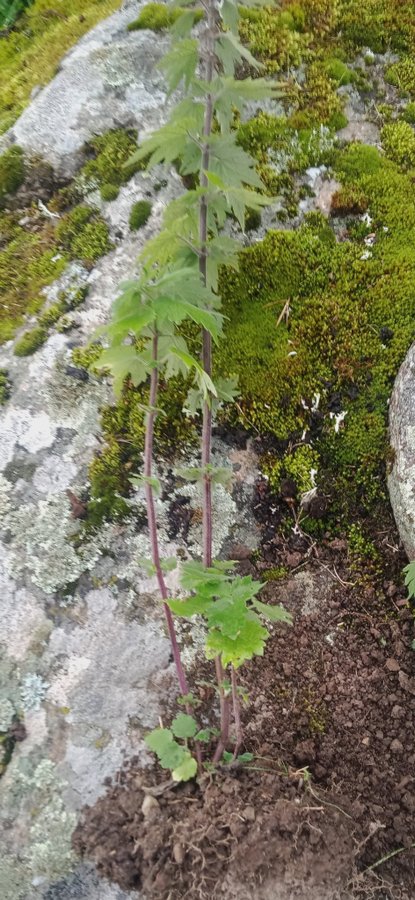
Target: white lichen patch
44	546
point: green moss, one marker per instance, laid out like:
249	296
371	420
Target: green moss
378	24
317	100
140	214
349	200
253	220
123	429
30	342
30	53
339	72
84	234
109	192
26	266
12	171
398	140
110	153
51	315
402	75
275	574
4	386
351	321
158	16
361	548
272	40
408	114
301	466
85	357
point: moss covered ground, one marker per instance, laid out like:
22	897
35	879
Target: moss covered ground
30	53
315	383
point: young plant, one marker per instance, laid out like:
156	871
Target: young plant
178	283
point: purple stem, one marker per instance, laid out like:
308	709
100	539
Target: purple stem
152	520
236	713
207	348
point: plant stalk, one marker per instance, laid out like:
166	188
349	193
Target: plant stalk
207	347
152	519
236	713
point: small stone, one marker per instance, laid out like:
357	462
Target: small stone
366	741
249	814
150	806
178	853
396	746
392	665
79	374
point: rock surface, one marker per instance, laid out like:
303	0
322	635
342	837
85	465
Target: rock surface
109	79
85	661
401	479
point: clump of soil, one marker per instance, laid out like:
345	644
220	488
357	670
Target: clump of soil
225	837
331	720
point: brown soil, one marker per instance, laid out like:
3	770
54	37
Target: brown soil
331	720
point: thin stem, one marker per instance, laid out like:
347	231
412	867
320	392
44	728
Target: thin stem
152	519
236	713
209	53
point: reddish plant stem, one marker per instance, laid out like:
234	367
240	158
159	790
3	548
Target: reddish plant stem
207	348
152	526
152	519
236	713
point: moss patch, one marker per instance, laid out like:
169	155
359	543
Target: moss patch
84	234
30	54
158	17
11	172
326	375
28	262
30	342
109	156
140	214
5	386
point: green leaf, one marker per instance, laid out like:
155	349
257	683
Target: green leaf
231	163
245	757
142	480
227	757
249	642
184	726
170	754
231	52
168	564
273	613
184	23
147	565
229	13
123	361
180	64
409	572
186	770
190	606
203	735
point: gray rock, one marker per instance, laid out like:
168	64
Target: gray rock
109	79
401	480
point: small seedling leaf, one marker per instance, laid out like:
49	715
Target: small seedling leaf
273	613
184	726
203	735
186	770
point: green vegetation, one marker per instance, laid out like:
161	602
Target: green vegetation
109	192
398	140
158	17
28	262
109	164
140	214
29	55
351	323
30	341
10	10
402	75
11	171
4	386
408	114
84	234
